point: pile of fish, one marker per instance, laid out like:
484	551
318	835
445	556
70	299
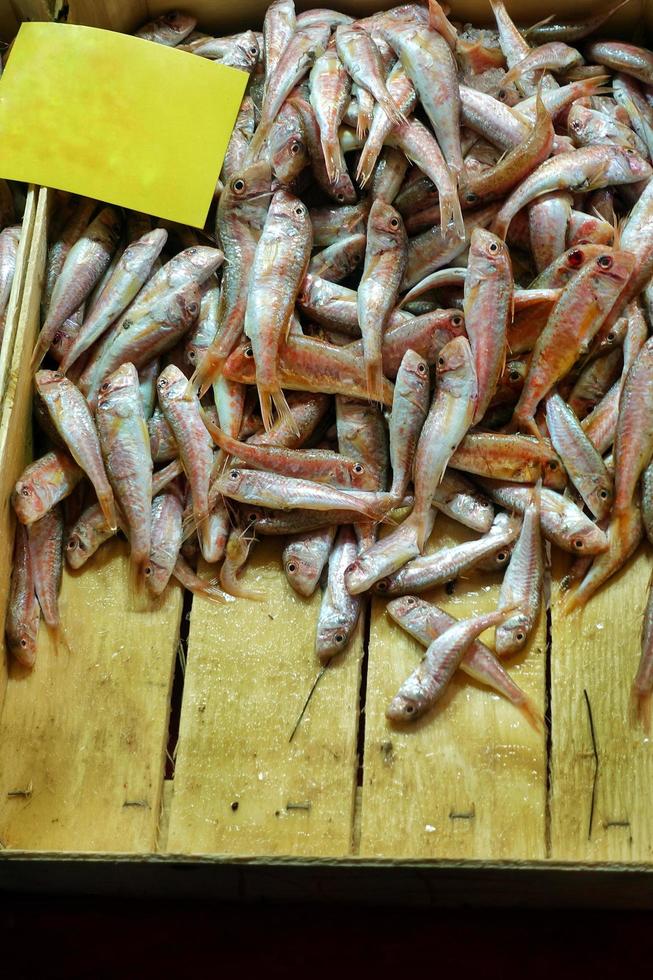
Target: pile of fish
426	289
12	205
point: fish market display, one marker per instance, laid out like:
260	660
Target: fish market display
425	287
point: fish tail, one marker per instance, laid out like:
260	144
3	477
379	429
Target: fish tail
451	212
375	379
265	401
206	372
531	713
393	111
640	708
59	637
256	144
363	123
283	409
231	585
366	162
108	504
333	158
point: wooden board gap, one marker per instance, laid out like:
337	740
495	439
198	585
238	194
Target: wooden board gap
366	616
177	693
548	710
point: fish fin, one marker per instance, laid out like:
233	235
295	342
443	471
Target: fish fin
640	708
392	111
541	23
366	162
374	377
363	123
532	714
283	410
108	504
59	636
333	160
596	174
451	213
514	73
265	401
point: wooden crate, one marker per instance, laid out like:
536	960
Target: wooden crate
471	805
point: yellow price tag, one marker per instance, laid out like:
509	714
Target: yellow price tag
117	118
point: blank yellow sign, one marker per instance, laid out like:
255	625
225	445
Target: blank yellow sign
117	118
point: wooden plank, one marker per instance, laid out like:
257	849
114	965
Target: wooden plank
85	732
17	287
240	786
83	735
597	650
15	418
467	780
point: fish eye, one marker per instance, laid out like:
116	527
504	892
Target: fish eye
604	261
603	494
249	352
291	567
25	491
233	474
471	197
23	642
611	336
147	570
382	586
340	197
457	320
193	309
300	210
162	384
394	222
253	50
493	247
339	638
552	464
629	153
71	544
519	636
575	258
239	185
502	556
358	468
252	517
58	337
501	94
295	147
421	368
440	361
578	544
514	375
410	600
409	709
105	386
191	355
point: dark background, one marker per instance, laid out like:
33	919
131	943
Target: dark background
131	938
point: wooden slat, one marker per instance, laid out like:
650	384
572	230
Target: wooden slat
17	287
83	735
469	778
597	650
15	417
240	786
